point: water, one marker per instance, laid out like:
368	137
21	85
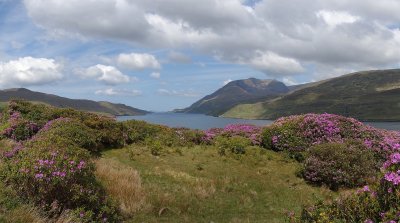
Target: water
198	121
193	121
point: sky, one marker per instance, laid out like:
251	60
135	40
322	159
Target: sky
160	55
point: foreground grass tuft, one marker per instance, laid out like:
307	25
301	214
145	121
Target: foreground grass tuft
123	183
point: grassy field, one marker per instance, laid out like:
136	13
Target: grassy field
198	185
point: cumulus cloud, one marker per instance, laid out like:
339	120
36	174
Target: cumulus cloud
29	71
106	74
334	18
351	34
137	61
155	75
118	92
274	64
183	93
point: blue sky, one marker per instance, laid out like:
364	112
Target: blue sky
165	54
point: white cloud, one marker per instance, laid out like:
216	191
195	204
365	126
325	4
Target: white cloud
118	92
107	74
155	75
352	34
138	61
274	64
334	18
29	71
184	93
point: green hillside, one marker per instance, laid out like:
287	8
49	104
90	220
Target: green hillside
236	92
61	102
367	95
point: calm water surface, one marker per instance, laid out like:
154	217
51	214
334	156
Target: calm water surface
198	121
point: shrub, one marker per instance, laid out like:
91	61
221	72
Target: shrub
300	132
138	131
233	145
64	131
348	164
142	132
188	137
57	179
376	203
156	147
251	132
283	138
18	128
111	132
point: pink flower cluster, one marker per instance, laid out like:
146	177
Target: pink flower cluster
392	168
313	129
13	151
48	125
56	168
321	128
251	132
17	121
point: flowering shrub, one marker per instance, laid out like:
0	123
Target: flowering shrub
251	132
300	132
379	202
18	128
340	164
56	179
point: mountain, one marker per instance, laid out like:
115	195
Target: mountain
237	92
366	95
80	104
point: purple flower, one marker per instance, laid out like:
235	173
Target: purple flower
39	175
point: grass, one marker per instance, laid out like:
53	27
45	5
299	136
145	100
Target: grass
123	183
198	185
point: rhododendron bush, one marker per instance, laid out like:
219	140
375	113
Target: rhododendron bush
300	132
379	202
251	132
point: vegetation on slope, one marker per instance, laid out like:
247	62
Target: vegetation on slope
62	165
369	95
61	102
237	92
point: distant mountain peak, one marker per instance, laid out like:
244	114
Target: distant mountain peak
236	92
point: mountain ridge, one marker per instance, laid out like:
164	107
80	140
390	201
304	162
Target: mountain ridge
234	93
366	95
63	102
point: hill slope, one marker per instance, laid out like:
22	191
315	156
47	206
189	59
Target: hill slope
80	104
237	92
367	95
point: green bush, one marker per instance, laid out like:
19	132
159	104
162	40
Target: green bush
234	145
349	208
111	132
138	131
348	164
142	132
64	131
283	138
